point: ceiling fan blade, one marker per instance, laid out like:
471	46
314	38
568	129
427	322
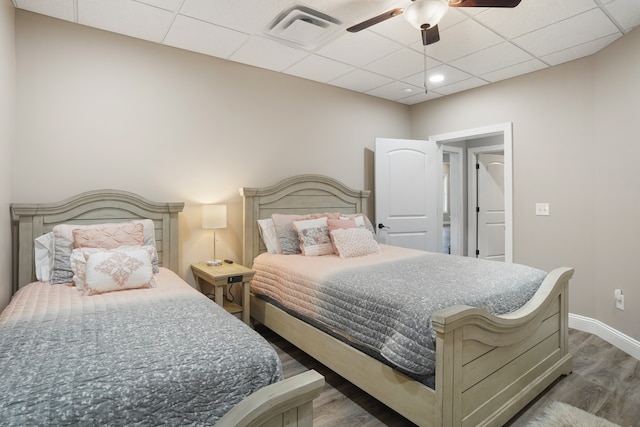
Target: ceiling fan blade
484	3
430	35
375	20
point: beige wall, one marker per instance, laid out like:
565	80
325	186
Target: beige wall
7	137
100	110
575	130
617	200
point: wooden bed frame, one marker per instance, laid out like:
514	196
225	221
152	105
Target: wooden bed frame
487	367
288	402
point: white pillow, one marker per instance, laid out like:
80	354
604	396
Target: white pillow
268	234
43	248
118	269
354	242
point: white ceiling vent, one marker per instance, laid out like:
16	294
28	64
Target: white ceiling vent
303	27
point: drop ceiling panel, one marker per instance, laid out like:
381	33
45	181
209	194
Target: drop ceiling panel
171	5
62	9
249	16
319	68
126	17
462	39
491	59
359	49
461	86
398	64
579	51
395	91
203	37
451	75
514	70
266	53
531	15
625	12
571	32
361	81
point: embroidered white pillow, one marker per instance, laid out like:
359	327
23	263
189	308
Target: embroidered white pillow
354	242
115	270
314	236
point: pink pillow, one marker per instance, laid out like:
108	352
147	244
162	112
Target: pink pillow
109	236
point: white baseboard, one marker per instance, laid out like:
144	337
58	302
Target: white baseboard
607	333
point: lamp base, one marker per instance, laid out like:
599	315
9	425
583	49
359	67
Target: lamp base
214	262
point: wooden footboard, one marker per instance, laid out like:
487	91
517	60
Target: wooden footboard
487	367
285	403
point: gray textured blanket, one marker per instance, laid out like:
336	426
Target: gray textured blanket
160	358
386	305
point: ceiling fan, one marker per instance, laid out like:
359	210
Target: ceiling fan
426	14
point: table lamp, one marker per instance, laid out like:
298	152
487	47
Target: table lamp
214	217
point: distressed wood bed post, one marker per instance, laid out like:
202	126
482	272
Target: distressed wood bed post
248	223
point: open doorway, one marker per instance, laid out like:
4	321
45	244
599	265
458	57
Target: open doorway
461	234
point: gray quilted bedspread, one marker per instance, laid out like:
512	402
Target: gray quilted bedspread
138	357
385	305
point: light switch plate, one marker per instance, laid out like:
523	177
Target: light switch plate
542	209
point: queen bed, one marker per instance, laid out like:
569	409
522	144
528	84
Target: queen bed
430	356
130	343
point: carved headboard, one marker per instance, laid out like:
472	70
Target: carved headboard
301	194
31	220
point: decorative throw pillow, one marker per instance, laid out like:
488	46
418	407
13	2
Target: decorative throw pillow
354	242
361	221
313	235
287	236
268	234
338	224
109	236
79	257
78	261
288	242
115	270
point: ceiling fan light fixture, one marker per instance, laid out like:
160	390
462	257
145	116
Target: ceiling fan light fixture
422	12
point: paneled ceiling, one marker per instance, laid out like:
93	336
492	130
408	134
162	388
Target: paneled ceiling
478	46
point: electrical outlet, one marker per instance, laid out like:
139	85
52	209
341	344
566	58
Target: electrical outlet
542	209
619	297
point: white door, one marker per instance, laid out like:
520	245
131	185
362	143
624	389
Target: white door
491	212
408	181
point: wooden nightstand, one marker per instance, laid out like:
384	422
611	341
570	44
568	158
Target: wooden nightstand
219	277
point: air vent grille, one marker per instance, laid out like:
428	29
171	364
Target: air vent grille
303	27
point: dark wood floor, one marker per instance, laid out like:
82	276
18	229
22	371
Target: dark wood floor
605	382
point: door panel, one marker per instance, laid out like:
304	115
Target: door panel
407	180
491	214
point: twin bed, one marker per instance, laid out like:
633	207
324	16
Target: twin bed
168	355
158	353
397	322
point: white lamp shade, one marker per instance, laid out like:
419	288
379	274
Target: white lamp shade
214	216
422	12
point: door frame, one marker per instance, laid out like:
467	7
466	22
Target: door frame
506	130
456	196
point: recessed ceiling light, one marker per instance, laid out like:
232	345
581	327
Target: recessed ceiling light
407	90
436	78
